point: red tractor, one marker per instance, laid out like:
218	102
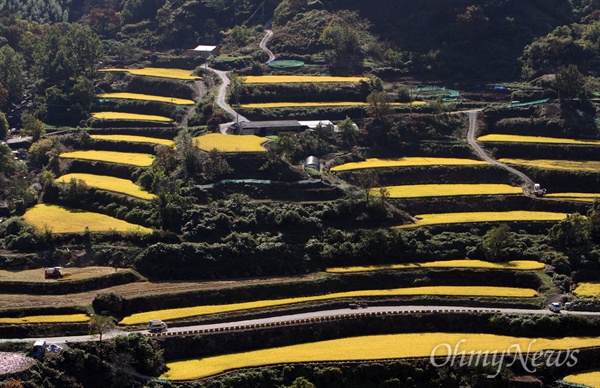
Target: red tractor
54	272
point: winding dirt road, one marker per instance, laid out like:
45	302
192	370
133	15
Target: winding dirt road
263	45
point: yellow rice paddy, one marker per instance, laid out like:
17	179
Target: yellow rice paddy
372	347
109	183
534	139
62	220
159	72
68	318
129	116
591	379
469	217
553	164
521	265
588	290
407	162
231	143
267	105
447	190
582	197
279	79
134	139
146	97
185	312
135	159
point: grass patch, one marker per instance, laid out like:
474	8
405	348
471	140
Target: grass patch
109	183
266	105
146	97
159	72
67	318
588	290
134	139
62	220
372	347
407	162
230	143
132	158
553	164
186	312
590	379
447	190
282	79
129	116
534	139
521	265
469	217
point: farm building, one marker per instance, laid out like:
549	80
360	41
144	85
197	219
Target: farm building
266	128
204	51
313	124
312	162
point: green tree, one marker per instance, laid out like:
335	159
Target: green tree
572	231
496	240
3	126
302	382
12	72
570	83
379	105
101	325
188	154
33	127
348	131
39	152
343	43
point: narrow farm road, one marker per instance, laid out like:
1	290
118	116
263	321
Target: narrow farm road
471	138
263	45
222	99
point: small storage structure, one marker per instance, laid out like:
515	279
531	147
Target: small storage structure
312	162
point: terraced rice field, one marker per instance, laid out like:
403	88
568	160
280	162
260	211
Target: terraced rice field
132	158
146	97
37	275
62	220
65	318
186	312
129	117
588	290
520	265
372	347
534	139
159	72
109	183
589	379
553	164
581	197
447	190
134	139
407	162
280	79
473	217
267	105
231	143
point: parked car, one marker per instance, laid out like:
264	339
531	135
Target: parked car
54	348
156	325
554	307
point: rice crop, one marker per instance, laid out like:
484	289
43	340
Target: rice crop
134	139
66	318
407	162
589	379
230	143
145	97
554	164
534	139
469	217
132	158
185	312
267	105
447	190
588	289
581	197
373	347
129	116
280	79
521	265
61	220
159	72
109	183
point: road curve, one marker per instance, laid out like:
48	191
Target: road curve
263	45
221	99
527	182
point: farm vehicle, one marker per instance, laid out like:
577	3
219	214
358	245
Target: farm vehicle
54	273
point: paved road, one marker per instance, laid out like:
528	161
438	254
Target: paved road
263	45
222	99
528	182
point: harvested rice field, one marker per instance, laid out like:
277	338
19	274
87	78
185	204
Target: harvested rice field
231	143
186	312
407	162
282	79
588	290
61	220
446	190
520	265
109	183
373	347
134	139
159	72
534	139
65	318
474	217
71	273
132	158
588	379
553	164
129	117
267	105
145	97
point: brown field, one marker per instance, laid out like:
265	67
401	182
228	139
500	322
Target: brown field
37	275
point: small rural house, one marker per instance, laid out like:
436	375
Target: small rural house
266	128
313	124
204	51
